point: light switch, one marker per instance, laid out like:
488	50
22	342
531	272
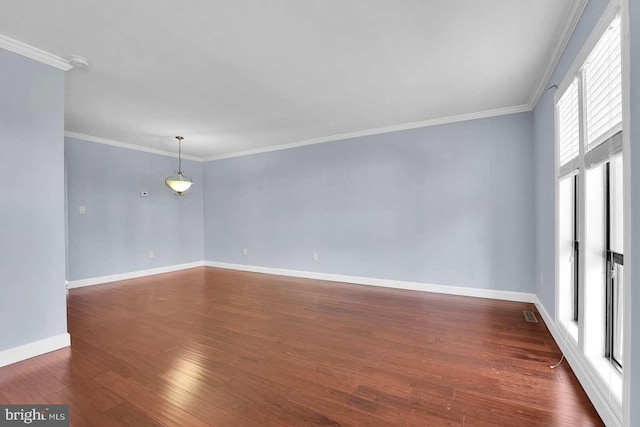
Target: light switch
82	210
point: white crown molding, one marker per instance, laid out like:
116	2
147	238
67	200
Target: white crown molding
34	53
376	131
570	20
405	126
386	283
35	348
129	146
583	370
131	275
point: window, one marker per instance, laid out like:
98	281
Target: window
568	130
569	250
603	87
615	261
590	215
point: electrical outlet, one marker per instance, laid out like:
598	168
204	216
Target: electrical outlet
245	251
315	256
152	254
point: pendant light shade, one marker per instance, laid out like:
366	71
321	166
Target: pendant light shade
179	182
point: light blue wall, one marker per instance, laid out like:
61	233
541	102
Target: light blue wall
450	204
634	260
544	201
32	302
545	159
121	227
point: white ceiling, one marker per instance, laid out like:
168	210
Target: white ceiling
240	75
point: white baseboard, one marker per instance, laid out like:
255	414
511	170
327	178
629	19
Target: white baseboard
32	349
131	275
609	411
397	284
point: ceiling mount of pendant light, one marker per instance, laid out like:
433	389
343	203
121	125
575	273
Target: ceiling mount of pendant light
179	182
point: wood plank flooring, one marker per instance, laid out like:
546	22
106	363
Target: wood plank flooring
208	346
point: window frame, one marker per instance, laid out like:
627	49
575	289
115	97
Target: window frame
614	406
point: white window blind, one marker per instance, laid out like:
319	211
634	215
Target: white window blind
568	129
603	88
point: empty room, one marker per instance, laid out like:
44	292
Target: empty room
336	213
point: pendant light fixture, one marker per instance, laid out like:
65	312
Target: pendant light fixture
179	183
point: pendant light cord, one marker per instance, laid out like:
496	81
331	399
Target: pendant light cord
179	138
180	156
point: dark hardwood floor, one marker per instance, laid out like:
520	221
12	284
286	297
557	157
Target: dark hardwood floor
217	347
